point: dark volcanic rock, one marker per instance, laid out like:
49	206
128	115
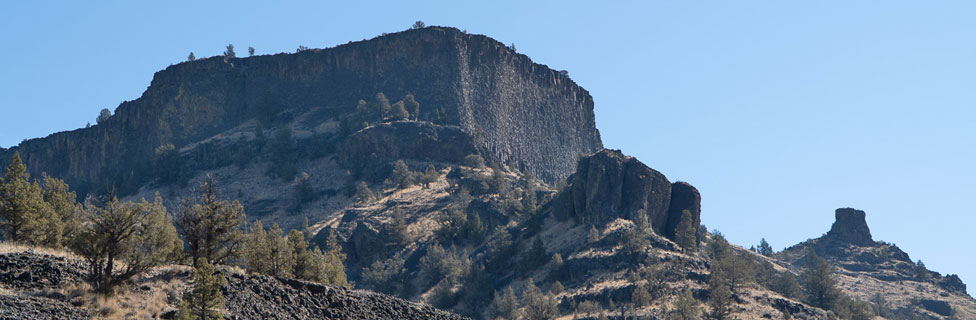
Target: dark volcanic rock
516	109
26	307
387	142
27	270
609	185
263	297
684	196
938	306
850	227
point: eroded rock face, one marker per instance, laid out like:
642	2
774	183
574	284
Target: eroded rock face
684	196
850	227
517	110
609	185
386	142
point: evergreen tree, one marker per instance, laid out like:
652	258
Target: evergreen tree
538	305
720	296
205	299
397	230
685	232
103	116
364	194
398	112
24	215
641	297
686	308
818	282
250	51
412	106
556	288
212	228
430	176
191	57
67	211
786	285
229	52
505	304
121	240
764	248
418	25
402	176
381	106
316	265
922	272
387	276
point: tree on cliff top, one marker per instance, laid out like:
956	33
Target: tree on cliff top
229	52
418	25
103	115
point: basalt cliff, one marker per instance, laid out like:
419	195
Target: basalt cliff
453	173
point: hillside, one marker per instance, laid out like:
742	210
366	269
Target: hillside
453	173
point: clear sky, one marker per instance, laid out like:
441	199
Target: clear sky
778	111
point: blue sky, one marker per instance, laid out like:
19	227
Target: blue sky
779	112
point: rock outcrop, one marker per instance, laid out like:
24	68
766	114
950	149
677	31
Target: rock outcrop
850	227
609	185
684	196
515	110
386	142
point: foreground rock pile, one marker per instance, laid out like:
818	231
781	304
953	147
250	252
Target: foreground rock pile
31	286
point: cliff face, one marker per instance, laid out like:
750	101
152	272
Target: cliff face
610	185
515	110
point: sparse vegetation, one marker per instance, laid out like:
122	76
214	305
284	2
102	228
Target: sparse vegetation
122	239
212	228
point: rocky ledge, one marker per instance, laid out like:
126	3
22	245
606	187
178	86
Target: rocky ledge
609	185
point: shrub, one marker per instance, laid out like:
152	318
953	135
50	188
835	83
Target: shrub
204	301
123	239
474	161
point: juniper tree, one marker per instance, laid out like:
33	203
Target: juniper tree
204	301
685	232
764	248
818	282
313	264
211	227
505	304
122	239
229	52
381	106
686	308
24	215
429	176
402	176
418	25
191	57
538	305
67	210
398	112
250	51
412	106
103	115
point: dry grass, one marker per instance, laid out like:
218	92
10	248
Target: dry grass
12	247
